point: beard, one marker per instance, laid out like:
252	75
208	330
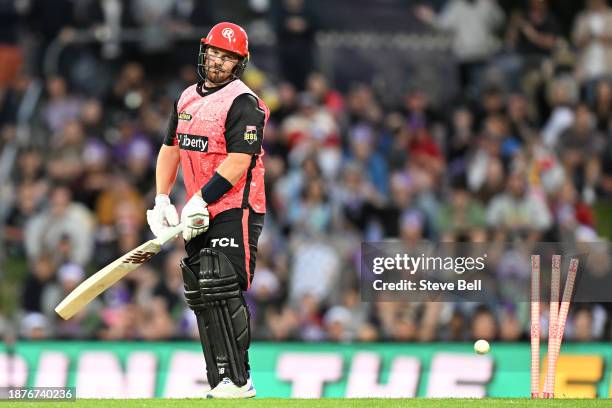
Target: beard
215	73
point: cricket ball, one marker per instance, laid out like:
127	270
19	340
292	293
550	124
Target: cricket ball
482	347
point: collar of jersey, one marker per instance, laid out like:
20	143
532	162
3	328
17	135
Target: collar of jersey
205	91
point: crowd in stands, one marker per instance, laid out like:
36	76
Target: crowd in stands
522	152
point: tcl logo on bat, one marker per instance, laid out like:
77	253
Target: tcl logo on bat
139	257
193	142
223	242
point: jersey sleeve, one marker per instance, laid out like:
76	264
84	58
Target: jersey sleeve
244	125
170	137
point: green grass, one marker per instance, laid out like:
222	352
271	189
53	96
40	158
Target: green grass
11	277
323	403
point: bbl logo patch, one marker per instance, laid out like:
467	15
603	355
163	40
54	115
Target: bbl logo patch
250	134
184	116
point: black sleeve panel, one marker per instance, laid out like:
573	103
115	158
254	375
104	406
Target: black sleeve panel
170	138
244	125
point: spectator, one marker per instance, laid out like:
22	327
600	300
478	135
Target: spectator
363	140
61	106
345	164
39	286
86	322
30	169
295	25
458	145
62	219
484	325
315	270
312	214
318	86
533	34
24	208
518	212
337	319
523	126
563	95
580	149
603	105
165	305
265	293
509	325
355	198
310	318
35	326
119	193
462	218
312	130
472	24
592	34
570	212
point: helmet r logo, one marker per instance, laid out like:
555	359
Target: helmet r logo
228	33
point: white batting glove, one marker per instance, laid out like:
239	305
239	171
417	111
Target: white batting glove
194	217
163	215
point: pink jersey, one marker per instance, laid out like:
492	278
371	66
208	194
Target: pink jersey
201	137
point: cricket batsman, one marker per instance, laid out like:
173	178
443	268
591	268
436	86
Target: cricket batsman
215	133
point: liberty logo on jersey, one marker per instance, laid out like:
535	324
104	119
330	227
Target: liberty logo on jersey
193	142
250	134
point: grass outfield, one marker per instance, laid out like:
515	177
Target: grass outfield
316	403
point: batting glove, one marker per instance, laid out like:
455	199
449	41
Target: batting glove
163	215
194	217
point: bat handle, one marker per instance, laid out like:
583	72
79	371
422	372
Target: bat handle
169	234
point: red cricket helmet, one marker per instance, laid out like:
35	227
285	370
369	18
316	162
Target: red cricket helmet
229	37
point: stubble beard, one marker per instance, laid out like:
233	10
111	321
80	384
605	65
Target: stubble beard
216	76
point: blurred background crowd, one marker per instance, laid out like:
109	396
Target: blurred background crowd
442	120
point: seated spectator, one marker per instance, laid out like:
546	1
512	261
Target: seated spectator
84	324
315	270
484	325
462	218
563	93
310	319
460	139
312	214
363	152
602	106
61	106
570	212
523	125
62	219
509	325
35	326
24	208
39	285
118	193
318	86
337	319
580	149
517	212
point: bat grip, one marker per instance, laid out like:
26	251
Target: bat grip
169	234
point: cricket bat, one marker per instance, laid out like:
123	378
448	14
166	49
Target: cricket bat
111	273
